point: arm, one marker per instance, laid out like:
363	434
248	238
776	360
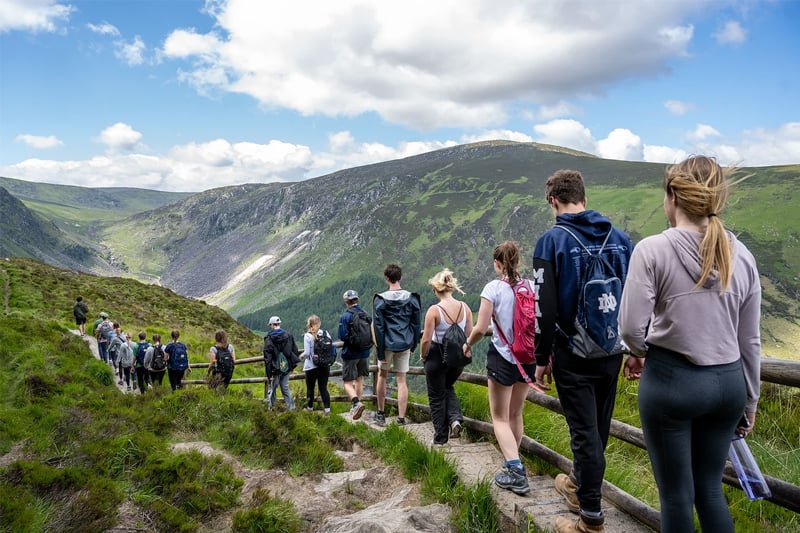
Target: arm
431	317
308	345
481	327
233	352
415	321
749	337
378	326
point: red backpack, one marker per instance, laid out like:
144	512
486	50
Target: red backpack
524	327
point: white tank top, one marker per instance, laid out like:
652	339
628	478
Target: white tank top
442	326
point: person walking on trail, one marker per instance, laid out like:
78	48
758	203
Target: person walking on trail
691	309
80	310
222	357
281	356
396	314
177	360
439	375
155	361
142	374
507	388
125	358
114	342
583	250
316	371
354	328
102	327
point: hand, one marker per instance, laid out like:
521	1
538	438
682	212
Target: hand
745	430
543	372
467	350
633	368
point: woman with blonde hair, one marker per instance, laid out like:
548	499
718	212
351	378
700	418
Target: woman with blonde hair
316	374
691	308
507	388
440	375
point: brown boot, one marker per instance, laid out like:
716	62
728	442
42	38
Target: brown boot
582	524
569	490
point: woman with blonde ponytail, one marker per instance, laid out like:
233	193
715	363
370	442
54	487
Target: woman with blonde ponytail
691	309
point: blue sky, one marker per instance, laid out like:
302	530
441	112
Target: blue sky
187	95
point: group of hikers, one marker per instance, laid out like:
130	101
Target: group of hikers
686	301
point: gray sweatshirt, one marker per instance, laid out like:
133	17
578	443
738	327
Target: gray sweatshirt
707	327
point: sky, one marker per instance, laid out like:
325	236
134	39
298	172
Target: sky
188	95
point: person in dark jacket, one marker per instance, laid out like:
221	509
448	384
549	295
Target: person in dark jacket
586	387
397	327
355	361
79	311
278	341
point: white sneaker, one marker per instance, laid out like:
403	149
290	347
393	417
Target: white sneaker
455	429
357	411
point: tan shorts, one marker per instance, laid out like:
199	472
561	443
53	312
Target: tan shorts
397	361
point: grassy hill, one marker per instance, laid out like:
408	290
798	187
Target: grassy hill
73	449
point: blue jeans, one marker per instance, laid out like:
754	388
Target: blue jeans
587	389
442	398
283	381
689	414
102	349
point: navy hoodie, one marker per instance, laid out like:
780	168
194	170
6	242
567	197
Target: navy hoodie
558	262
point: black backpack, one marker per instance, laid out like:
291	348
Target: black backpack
281	360
453	342
158	363
225	362
359	331
324	350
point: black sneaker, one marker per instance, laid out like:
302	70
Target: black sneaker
380	419
401	421
512	479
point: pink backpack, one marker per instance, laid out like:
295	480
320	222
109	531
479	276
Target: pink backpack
524	327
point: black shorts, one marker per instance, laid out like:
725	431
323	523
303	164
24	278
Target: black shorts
352	369
503	372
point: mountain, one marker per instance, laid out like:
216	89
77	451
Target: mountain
292	249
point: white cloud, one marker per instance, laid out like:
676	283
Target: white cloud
622	144
663	154
703	132
558	110
677	107
352	57
103	29
120	136
567	133
33	15
780	146
39	142
131	53
731	33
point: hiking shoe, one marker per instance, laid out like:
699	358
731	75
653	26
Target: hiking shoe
455	429
308	409
129	388
327	411
582	524
357	411
120	382
512	479
380	419
401	421
569	490
437	445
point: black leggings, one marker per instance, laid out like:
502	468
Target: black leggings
689	414
175	378
318	375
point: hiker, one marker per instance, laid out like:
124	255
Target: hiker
439	375
280	359
507	389
142	374
583	245
79	311
396	316
100	329
356	349
316	370
222	357
691	309
114	343
125	358
177	360
155	361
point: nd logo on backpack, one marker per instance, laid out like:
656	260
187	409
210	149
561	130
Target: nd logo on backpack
596	323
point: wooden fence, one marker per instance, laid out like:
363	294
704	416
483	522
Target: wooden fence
776	371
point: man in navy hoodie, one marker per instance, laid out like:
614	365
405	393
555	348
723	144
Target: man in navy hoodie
586	386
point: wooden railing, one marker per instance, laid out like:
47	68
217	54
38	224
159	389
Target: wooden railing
777	371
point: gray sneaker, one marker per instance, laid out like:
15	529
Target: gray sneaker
512	479
356	411
380	419
455	429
